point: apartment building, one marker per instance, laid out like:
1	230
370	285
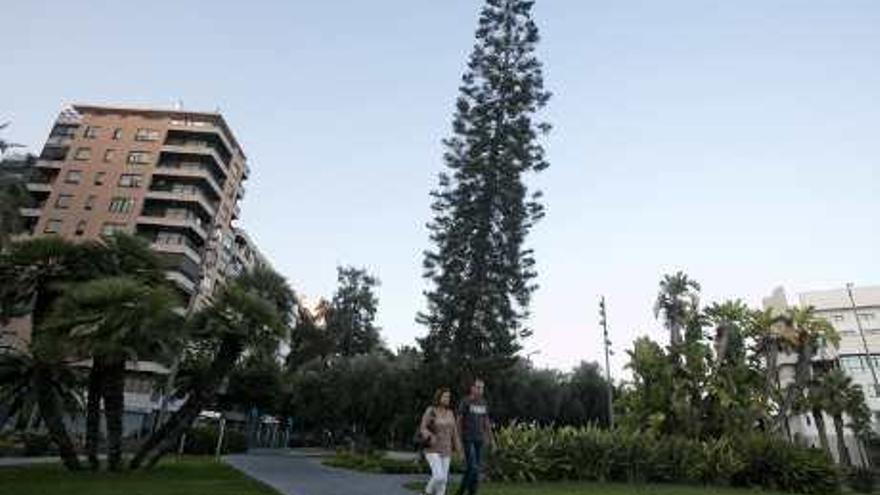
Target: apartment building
847	310
173	177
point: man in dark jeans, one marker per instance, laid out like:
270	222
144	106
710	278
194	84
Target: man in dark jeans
476	431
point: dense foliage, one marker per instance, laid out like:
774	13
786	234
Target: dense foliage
529	453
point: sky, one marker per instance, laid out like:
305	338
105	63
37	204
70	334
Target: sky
737	141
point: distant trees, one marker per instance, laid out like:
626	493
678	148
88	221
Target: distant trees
725	381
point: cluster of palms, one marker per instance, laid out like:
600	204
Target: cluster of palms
720	373
96	307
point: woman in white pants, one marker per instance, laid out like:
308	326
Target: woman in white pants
440	429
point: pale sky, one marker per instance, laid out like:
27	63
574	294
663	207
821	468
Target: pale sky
737	141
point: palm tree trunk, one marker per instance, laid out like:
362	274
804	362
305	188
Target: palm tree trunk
93	412
52	416
114	408
166	437
842	451
819	419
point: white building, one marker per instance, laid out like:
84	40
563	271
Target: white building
838	309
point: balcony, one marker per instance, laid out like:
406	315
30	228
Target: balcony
30	212
180	222
54	153
201	127
198	150
239	194
192	171
179	249
60	140
184	196
182	281
39	187
236	212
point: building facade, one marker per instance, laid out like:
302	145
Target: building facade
851	355
172	177
841	311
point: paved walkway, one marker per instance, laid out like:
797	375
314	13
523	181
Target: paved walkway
293	473
26	461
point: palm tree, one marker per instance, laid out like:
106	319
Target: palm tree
114	320
677	302
730	320
817	404
837	393
4	144
256	306
42	380
860	419
13	196
801	332
35	273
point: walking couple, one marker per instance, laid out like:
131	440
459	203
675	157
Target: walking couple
445	431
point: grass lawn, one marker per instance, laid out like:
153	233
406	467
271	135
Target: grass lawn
191	476
601	489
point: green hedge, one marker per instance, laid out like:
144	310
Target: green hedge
378	463
203	441
530	453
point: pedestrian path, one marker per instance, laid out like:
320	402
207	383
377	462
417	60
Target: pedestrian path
293	473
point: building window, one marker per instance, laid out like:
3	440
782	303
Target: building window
99	178
108	155
144	134
130	180
866	316
110	228
838	318
117	134
91	132
90	202
73	176
139	157
63	201
80	228
83	154
121	204
53	226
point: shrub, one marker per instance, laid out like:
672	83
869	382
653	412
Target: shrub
203	441
374	463
378	463
862	480
528	453
36	445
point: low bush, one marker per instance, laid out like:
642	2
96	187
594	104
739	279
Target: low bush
203	441
37	445
863	480
374	463
378	463
530	453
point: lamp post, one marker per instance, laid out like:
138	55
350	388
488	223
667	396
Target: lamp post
607	343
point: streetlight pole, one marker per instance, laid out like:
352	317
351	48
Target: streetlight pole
607	343
868	356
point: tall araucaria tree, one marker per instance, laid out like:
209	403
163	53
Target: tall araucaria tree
482	275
